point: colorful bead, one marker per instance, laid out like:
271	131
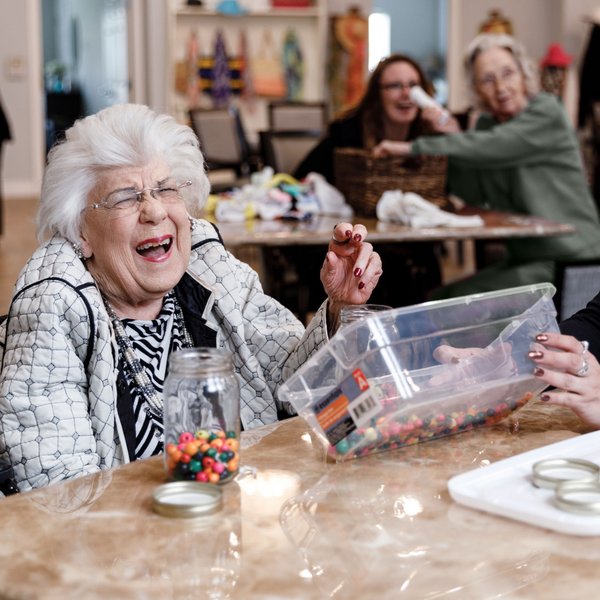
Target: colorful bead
204	456
389	430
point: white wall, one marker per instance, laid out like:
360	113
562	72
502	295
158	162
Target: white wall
22	91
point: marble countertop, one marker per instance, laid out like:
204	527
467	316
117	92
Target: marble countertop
382	526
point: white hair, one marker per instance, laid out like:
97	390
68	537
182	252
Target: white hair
123	135
486	41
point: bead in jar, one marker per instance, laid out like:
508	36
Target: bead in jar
202	416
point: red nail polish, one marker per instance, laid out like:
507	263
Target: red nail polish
535	354
349	233
357	272
544	397
538	372
361	285
357	237
541	337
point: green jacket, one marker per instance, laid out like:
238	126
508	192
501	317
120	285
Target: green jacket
529	165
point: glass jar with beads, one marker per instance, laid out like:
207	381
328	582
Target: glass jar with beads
202	416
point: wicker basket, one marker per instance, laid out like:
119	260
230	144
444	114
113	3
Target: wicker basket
362	178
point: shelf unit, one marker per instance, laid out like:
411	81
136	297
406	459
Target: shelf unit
309	24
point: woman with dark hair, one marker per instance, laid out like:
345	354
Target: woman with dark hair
385	112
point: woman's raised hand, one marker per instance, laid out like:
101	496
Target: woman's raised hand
351	269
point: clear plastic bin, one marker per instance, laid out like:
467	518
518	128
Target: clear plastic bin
378	385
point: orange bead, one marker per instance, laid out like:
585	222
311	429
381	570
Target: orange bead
233	444
217	443
214	477
232	465
191	448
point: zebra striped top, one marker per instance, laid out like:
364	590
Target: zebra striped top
152	342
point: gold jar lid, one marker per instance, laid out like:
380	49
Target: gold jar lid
187	499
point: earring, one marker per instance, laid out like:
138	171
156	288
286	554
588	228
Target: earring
193	223
78	251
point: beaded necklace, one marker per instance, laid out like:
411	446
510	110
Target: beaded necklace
132	363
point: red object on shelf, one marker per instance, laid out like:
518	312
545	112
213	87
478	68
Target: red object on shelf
291	3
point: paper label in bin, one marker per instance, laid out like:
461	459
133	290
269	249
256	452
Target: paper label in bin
346	407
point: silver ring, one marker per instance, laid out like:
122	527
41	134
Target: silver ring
590	472
581	506
583	370
586	346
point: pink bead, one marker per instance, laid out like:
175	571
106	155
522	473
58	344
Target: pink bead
218	467
202	476
186	437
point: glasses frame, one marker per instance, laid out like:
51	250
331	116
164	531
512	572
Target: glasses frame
491	80
398	86
139	196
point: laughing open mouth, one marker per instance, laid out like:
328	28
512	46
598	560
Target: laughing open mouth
155	248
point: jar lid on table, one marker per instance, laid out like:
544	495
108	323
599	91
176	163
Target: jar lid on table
187	499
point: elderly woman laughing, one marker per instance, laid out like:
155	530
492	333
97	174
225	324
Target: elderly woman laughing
126	276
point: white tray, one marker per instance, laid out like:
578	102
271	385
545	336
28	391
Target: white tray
505	488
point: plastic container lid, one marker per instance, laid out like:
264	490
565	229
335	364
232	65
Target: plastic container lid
187	499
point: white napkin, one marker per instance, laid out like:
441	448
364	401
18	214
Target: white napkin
329	200
413	210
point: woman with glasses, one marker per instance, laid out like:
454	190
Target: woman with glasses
385	111
522	157
125	276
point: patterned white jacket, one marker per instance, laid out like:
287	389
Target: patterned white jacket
59	358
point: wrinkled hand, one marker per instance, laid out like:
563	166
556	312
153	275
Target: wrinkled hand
390	148
350	271
557	358
439	120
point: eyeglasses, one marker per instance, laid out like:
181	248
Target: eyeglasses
491	80
130	199
398	86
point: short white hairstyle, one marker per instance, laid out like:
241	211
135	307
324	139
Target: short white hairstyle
486	41
123	135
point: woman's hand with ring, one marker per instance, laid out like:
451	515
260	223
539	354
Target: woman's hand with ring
351	268
564	362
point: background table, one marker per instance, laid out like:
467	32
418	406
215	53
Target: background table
317	231
288	254
380	527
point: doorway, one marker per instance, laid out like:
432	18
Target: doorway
85	57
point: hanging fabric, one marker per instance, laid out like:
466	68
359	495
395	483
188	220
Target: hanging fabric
221	88
267	70
293	66
233	72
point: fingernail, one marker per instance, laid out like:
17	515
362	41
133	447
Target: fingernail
541	337
535	354
544	397
349	233
361	285
357	272
538	372
357	237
